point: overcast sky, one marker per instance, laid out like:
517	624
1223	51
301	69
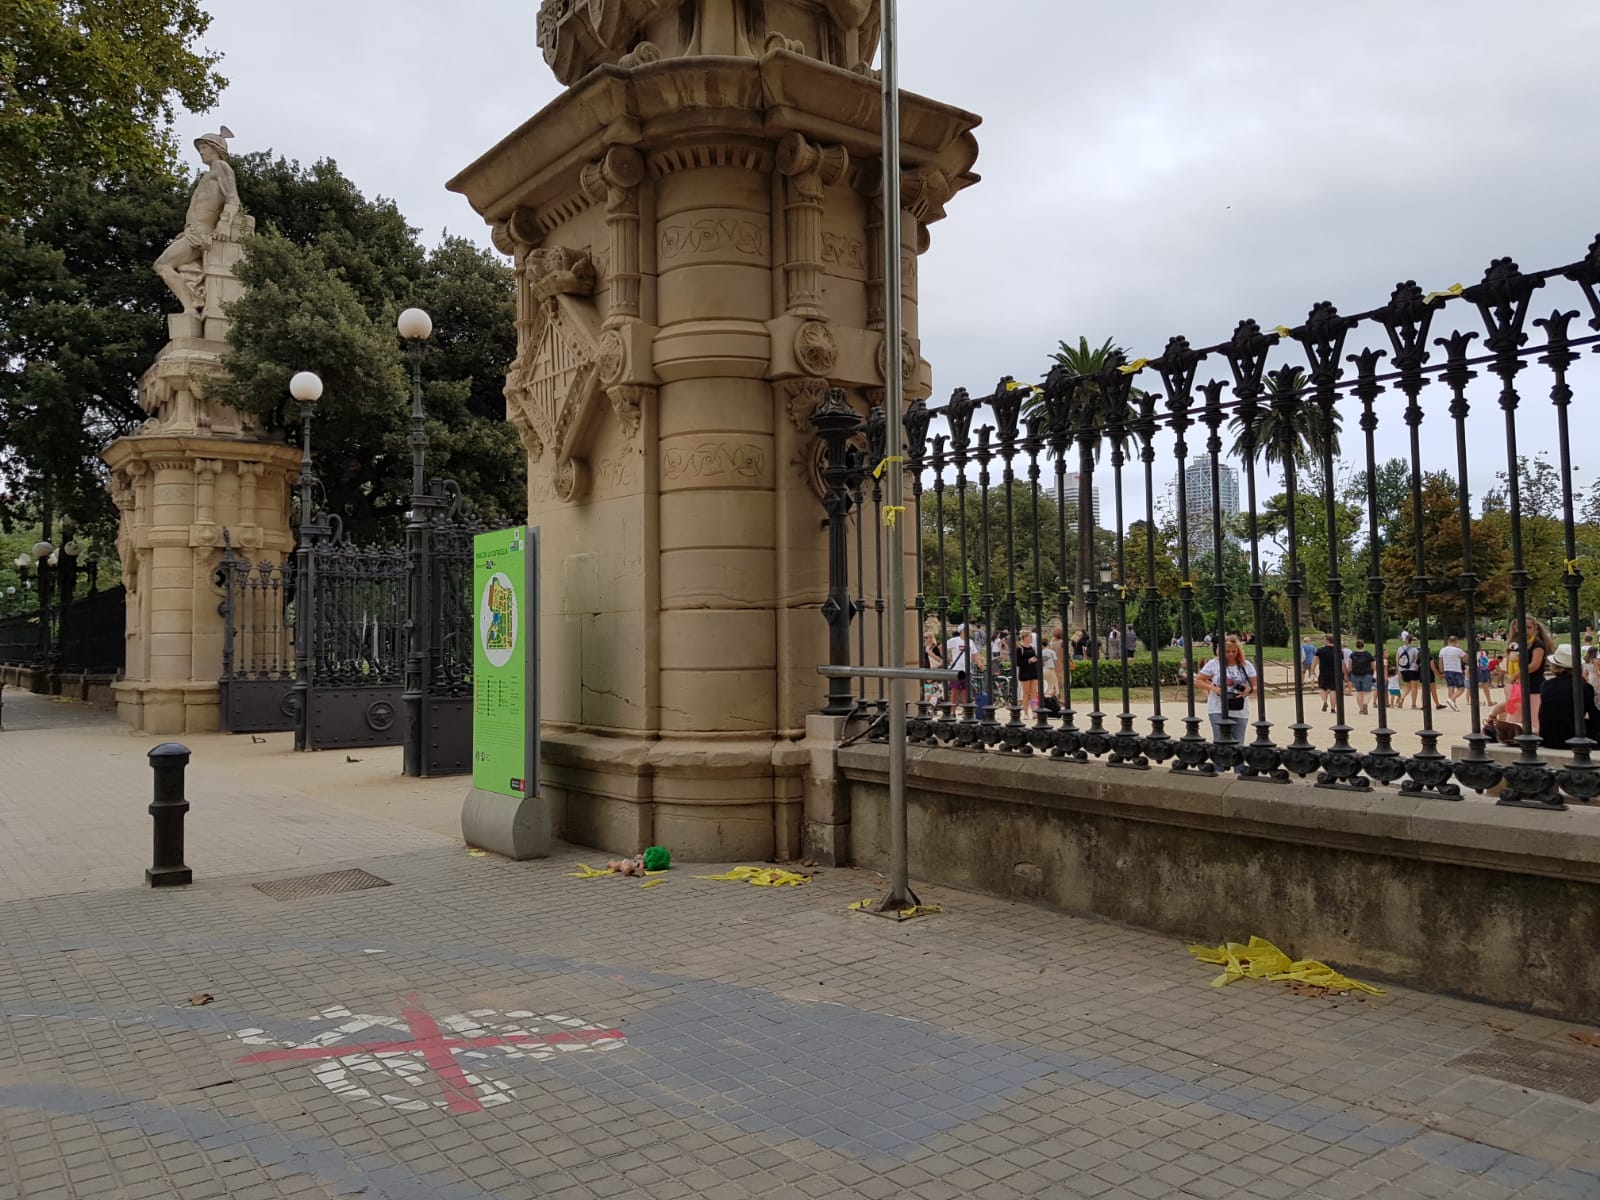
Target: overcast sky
1148	168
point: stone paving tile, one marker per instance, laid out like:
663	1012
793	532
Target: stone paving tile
776	1044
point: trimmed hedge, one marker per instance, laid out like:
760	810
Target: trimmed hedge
1138	672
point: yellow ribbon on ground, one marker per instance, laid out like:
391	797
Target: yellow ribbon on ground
653	882
761	877
891	513
1135	366
916	910
1453	290
877	471
587	872
1260	959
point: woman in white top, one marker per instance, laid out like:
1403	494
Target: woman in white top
1230	689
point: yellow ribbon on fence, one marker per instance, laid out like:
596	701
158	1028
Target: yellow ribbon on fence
1453	290
1283	331
1135	366
891	513
1572	566
877	471
1189	584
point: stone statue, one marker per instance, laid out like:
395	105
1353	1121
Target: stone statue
213	208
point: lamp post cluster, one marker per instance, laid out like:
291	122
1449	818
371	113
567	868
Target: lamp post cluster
54	575
414	326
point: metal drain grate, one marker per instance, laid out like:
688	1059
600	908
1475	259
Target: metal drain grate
1534	1065
320	885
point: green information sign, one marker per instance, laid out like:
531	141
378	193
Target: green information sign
505	662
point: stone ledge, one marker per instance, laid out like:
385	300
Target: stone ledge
1470	832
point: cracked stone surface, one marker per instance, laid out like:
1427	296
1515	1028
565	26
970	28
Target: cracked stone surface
500	1029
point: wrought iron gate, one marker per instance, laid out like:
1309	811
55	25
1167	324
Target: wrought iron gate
360	675
257	643
355	641
439	687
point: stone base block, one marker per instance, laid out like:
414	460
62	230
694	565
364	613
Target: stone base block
517	827
706	801
826	844
167	707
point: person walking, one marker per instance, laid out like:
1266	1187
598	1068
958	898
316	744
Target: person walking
1308	654
1409	659
1230	680
1362	678
1028	671
964	654
1061	661
1330	673
1453	666
1482	675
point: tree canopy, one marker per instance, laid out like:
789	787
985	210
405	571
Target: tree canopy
82	315
93	86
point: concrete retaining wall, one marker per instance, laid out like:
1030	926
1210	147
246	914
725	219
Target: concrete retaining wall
1500	904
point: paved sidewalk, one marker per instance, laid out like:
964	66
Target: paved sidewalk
481	1028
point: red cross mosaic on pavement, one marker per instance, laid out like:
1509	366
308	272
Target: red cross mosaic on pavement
430	1063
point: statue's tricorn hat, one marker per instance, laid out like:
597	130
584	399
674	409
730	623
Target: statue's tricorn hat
218	139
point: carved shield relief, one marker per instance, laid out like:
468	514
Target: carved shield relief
553	390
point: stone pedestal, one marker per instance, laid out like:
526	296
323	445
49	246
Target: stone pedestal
698	243
193	470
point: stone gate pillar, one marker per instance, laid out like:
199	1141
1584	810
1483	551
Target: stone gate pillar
698	248
194	469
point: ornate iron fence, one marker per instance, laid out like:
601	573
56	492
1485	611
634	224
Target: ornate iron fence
989	499
257	678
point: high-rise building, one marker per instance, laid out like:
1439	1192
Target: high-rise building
1070	482
1197	500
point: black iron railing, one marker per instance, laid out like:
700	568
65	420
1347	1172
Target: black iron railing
85	636
1003	549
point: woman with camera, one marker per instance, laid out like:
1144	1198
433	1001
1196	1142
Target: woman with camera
1230	680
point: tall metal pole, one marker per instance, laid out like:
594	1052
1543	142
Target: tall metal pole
419	620
303	589
900	895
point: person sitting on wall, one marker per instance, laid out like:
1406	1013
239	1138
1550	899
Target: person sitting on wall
1557	722
1503	722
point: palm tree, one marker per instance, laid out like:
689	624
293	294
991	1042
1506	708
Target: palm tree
1306	431
1080	361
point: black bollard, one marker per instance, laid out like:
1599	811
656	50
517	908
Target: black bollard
169	760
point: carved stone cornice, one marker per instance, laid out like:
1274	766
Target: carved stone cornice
749	155
576	36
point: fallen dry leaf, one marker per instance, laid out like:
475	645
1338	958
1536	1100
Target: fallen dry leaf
201	998
1587	1038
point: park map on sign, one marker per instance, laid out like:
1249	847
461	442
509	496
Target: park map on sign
500	635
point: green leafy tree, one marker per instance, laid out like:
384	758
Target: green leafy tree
80	319
1442	558
82	316
92	86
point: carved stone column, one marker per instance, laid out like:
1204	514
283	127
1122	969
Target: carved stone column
681	628
615	180
807	168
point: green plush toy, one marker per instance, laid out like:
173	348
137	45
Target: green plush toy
656	858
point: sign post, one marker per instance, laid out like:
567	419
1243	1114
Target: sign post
504	812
